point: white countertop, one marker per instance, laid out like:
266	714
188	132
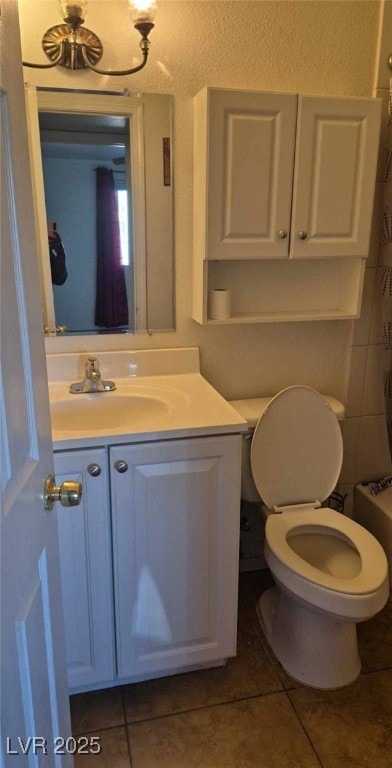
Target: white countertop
192	406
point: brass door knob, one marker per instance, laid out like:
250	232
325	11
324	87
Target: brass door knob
69	493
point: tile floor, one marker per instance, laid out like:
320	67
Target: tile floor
248	714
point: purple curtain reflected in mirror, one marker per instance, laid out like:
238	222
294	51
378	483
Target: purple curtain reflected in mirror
111	303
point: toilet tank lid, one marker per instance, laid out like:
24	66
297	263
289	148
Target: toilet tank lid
252	408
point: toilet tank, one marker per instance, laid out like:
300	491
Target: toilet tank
251	409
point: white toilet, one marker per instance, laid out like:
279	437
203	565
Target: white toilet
330	573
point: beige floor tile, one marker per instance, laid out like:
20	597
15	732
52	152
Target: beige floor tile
96	710
256	733
250	673
114	751
374	649
350	727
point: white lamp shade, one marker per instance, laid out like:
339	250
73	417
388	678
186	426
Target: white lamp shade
142	10
77	8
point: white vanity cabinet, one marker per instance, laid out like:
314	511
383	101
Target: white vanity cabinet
168	540
283	198
86	569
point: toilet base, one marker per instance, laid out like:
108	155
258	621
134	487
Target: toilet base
313	647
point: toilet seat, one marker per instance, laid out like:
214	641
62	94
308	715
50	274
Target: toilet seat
327	521
296	457
297	449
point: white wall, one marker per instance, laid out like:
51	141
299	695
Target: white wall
310	46
366	452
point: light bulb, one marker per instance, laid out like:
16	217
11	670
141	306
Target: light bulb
76	9
142	10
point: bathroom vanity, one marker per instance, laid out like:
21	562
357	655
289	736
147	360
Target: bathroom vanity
149	560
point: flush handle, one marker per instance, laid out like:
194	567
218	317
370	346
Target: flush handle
69	493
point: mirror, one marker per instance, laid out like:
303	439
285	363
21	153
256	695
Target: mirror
103	189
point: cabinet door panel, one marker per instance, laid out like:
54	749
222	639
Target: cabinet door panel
335	171
85	560
251	144
176	527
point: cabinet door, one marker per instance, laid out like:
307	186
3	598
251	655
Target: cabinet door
250	157
176	551
86	570
335	173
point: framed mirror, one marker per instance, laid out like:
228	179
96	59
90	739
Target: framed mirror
103	193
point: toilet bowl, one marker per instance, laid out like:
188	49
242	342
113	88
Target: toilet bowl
329	572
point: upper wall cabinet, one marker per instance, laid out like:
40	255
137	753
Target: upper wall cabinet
335	173
243	170
282	177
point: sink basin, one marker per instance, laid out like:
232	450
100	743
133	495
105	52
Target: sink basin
113	411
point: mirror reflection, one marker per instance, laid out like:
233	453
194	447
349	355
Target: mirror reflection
106	217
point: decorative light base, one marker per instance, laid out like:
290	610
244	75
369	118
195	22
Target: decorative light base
72	55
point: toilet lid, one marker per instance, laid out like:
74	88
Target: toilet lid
297	449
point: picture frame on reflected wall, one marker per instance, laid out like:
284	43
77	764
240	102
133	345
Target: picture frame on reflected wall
166	162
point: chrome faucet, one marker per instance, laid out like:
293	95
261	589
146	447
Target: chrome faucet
92	381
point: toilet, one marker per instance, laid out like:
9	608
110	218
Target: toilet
329	572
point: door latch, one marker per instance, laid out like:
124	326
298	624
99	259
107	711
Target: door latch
69	493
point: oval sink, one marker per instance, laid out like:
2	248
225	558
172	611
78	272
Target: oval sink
111	411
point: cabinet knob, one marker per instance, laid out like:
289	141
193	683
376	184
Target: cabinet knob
302	235
94	470
121	466
282	234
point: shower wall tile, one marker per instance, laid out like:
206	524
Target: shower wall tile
375	234
373	397
351	430
356	381
374	460
362	326
366	450
376	327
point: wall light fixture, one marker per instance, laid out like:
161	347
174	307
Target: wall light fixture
74	46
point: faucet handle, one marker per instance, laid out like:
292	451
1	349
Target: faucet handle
92	364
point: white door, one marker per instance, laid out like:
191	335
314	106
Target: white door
335	174
33	678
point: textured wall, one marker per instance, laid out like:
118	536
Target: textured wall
325	47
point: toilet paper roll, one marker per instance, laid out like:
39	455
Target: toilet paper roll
219	304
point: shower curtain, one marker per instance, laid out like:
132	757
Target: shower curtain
385	262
